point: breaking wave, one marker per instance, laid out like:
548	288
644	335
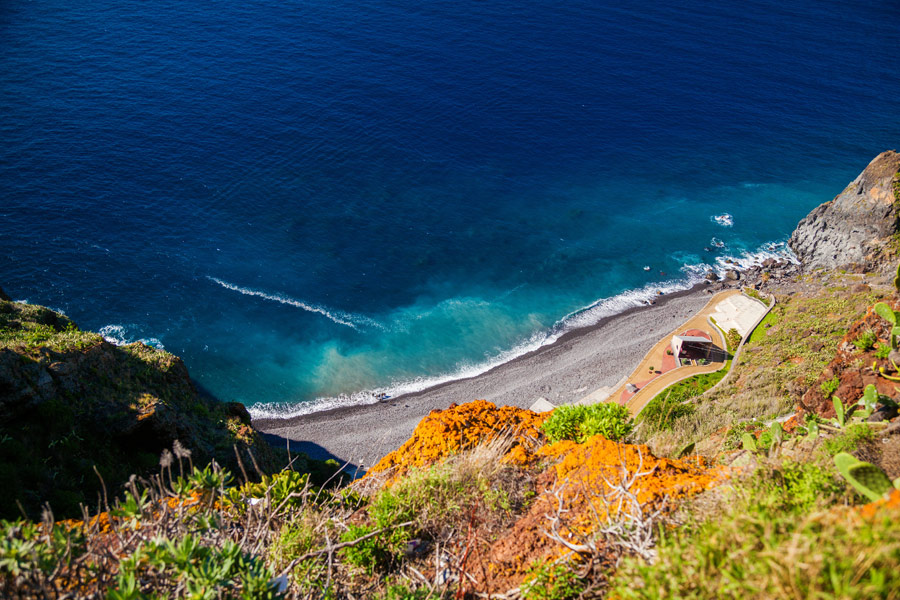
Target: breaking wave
336	316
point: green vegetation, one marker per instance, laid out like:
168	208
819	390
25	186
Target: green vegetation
577	422
768	439
171	540
511	517
756	295
783	356
435	498
76	403
31	326
402	592
849	439
549	581
733	338
374	553
868	479
186	563
767	541
866	340
887	313
829	386
672	403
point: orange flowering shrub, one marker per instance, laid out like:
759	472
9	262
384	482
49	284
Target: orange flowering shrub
588	470
600	458
461	427
576	489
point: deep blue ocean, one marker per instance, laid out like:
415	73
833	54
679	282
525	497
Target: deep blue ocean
310	201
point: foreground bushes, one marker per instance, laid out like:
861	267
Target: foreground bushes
577	422
775	539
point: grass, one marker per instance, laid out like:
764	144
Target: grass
437	498
756	295
770	539
671	403
30	327
829	386
783	356
866	340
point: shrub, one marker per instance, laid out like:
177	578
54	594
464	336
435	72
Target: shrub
550	581
576	422
849	439
733	337
764	545
374	553
866	340
187	564
794	488
829	386
883	351
441	497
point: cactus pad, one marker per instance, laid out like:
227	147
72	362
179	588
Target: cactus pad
749	442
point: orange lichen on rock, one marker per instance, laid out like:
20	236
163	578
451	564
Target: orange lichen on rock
578	490
461	427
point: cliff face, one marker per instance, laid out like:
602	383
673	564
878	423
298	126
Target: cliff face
70	401
855	229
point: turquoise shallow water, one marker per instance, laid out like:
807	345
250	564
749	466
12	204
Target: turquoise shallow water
313	202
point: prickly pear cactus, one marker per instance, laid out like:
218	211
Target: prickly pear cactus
843	461
869	480
749	442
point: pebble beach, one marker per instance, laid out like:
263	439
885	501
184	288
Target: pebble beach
575	365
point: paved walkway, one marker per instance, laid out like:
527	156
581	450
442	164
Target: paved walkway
651	382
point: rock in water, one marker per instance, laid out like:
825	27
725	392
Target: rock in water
852	229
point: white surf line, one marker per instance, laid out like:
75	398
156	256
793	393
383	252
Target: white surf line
339	317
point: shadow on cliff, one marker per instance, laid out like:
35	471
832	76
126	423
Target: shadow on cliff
312	451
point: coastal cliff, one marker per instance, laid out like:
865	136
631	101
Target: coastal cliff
856	229
779	483
71	401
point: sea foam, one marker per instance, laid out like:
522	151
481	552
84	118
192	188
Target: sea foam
337	316
118	335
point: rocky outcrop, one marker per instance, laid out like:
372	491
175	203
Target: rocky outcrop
71	402
855	229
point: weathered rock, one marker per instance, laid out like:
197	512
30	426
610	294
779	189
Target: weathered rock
732	275
236	409
3	296
855	227
883	413
711	276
